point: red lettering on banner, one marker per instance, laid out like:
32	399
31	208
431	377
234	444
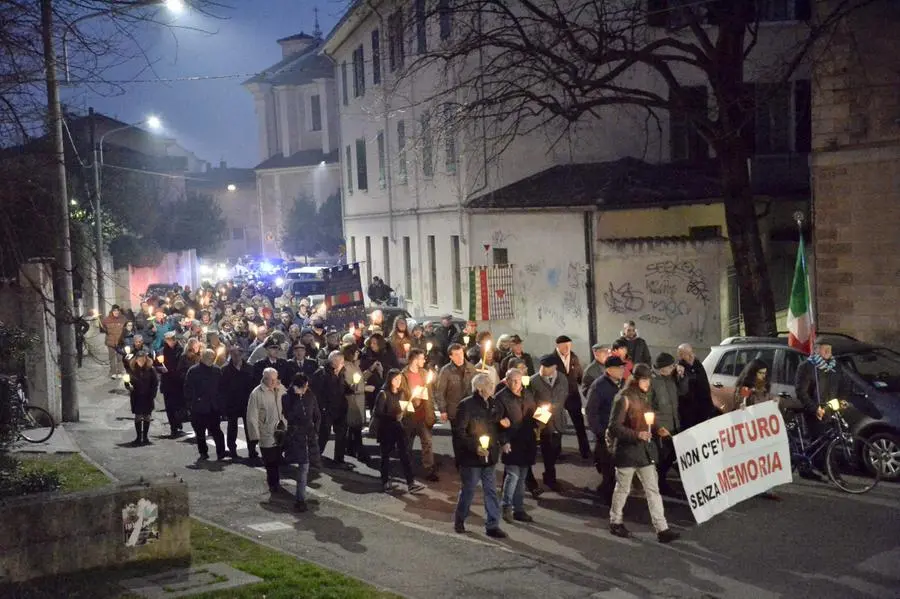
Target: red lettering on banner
724	483
753	469
752	431
763	427
739	429
774	424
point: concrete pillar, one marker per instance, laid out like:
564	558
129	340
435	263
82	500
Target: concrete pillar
35	313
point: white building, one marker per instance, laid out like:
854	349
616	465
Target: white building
298	134
423	205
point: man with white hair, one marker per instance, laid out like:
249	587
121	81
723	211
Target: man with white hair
201	391
477	449
264	413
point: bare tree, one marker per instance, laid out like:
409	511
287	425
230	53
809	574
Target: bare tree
512	67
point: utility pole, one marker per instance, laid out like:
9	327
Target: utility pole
62	283
98	222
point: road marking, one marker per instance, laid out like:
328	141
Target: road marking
273	526
241	444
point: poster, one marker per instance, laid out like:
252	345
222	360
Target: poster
344	300
140	523
733	457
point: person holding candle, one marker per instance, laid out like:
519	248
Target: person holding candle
478	451
631	427
201	390
418	388
550	390
517	351
387	417
331	389
142	385
519	444
236	385
399	339
478	353
454	382
357	381
171	383
467	336
378	356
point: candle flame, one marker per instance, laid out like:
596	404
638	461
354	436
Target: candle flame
429	377
487	345
356	378
161	359
126	378
649	418
485	441
526	380
428	346
466	339
128	349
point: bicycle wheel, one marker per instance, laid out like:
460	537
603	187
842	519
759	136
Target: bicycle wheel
845	465
36	425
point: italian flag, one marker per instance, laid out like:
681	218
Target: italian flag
800	325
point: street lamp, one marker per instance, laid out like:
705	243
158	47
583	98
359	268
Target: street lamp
231	187
153	123
175	6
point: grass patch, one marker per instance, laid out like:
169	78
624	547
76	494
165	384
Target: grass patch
75	473
285	577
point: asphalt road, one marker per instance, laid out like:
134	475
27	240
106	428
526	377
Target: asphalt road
817	542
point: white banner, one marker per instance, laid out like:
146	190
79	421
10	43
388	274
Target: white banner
733	457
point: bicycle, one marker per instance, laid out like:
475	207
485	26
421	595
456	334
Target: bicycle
852	464
33	423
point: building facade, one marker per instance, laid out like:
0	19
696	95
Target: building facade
423	204
856	177
296	110
234	190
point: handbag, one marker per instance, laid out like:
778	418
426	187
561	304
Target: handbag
280	433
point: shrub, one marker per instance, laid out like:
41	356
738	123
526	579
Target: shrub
17	480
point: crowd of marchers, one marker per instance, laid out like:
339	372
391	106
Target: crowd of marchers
236	354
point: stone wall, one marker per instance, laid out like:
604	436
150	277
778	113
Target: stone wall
29	305
856	176
49	534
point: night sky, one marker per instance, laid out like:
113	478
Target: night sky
213	118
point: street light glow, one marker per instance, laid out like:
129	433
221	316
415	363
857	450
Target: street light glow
232	187
154	123
174	6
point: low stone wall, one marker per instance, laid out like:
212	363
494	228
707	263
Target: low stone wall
48	534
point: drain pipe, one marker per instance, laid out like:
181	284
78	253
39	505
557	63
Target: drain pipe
590	295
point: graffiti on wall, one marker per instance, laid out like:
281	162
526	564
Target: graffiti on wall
551	296
673	299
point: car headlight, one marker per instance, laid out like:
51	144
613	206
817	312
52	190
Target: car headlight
279	282
206	269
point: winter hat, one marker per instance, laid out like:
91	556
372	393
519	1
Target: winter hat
663	360
614	362
549	360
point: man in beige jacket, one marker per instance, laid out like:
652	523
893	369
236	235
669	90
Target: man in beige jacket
264	414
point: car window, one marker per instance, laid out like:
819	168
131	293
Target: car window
878	367
733	362
302	288
792	361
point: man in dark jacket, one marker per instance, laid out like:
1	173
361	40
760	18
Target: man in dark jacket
331	391
550	390
516	350
818	380
477	451
446	332
667	383
638	351
570	367
519	445
695	405
300	363
237	382
454	382
272	361
201	390
596	368
170	384
601	396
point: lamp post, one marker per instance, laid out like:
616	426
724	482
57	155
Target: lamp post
153	123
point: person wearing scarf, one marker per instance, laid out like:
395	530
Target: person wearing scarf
818	379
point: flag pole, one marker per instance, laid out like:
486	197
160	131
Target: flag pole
799	218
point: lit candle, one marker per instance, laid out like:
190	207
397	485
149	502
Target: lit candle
484	353
417	392
352	330
649	418
466	339
317	345
429	377
127	350
526	380
126	378
406	347
485	442
161	359
428	346
357	377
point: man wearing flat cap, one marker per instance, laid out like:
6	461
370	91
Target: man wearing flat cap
517	351
551	389
570	367
666	383
600	398
596	368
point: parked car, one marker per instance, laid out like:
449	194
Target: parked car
158	290
872	373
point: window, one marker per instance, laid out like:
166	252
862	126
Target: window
802	116
791	364
315	106
733	362
368	258
685	142
344	82
421	33
449	140
386	256
456	273
401	154
353	249
427	147
349	160
444	17
500	256
362	176
395	41
376	57
772	118
432	271
407	268
359	72
237	233
381	158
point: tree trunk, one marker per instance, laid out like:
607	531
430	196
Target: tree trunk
755	288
